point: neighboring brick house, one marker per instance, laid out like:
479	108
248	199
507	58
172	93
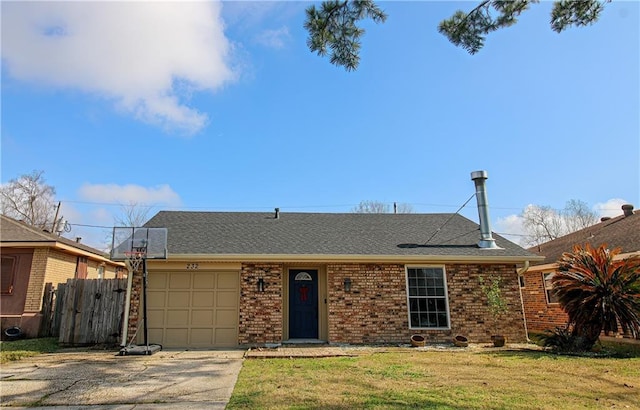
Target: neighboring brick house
542	311
31	258
257	278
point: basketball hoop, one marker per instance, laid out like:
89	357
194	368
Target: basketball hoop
134	259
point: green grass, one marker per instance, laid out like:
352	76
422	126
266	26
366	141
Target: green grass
411	379
19	349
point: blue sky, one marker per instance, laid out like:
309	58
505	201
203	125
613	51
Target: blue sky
220	106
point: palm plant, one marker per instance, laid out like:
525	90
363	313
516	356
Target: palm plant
598	292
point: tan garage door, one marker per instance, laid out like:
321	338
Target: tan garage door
193	309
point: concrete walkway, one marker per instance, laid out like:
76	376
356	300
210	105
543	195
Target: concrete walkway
104	380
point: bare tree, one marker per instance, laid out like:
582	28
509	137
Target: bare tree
377	207
403	208
544	223
28	198
371	207
132	214
577	215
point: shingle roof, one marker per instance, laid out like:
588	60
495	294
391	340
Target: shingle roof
619	232
16	231
255	233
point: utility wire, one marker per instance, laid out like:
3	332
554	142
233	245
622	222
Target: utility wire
448	219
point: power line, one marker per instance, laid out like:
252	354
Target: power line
451	216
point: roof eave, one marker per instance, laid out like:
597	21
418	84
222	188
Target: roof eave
62	247
354	258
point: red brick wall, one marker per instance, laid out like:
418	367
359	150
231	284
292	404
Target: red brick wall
375	311
260	313
468	305
540	315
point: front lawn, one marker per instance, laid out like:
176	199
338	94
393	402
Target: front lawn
19	349
463	379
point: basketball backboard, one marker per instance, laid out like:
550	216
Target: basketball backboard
151	241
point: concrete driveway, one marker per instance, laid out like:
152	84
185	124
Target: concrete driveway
103	380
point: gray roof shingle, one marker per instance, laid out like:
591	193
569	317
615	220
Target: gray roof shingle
16	231
259	233
619	232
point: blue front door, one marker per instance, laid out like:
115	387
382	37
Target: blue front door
303	304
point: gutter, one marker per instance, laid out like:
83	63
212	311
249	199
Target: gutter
352	258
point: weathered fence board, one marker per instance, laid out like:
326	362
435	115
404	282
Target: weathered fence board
92	310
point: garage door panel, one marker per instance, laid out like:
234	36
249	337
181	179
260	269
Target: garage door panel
228	280
227	299
179	299
201	337
226	337
156	298
155	335
203	281
178	318
157	281
203	299
202	317
193	309
225	318
179	281
175	337
156	318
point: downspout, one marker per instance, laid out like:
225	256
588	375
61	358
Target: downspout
521	272
125	324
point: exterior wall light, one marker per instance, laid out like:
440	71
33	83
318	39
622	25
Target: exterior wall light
347	284
260	285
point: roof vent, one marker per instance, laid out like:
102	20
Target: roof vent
78	239
277	216
605	218
486	239
627	209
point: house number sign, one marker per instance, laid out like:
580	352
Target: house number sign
192	266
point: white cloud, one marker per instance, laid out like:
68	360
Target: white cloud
145	56
130	194
610	208
513	225
273	38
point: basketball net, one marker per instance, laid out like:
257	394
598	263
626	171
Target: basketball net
134	260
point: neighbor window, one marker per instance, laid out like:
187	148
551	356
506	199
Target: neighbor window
7	274
548	288
81	267
427	298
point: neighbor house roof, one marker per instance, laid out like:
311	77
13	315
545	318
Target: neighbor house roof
329	235
19	234
619	232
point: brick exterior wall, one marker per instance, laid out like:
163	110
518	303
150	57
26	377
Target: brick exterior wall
33	303
540	315
260	313
134	306
468	305
375	311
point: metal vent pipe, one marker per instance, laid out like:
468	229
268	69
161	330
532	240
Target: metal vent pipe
486	239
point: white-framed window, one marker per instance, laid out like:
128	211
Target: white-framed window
427	297
548	288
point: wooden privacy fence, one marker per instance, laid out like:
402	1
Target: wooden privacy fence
86	311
